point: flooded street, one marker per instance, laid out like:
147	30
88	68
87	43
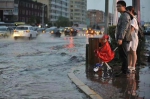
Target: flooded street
37	69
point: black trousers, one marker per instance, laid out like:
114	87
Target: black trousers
124	56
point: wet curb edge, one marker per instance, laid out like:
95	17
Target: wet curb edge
89	92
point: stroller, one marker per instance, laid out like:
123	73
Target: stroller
104	53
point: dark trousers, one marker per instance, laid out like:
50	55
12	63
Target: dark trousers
124	56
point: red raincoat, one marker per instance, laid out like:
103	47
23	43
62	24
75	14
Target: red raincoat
105	53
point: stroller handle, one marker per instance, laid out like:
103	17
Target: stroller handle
115	48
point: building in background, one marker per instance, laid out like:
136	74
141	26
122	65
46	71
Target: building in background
47	3
78	11
27	11
6	9
58	8
31	12
96	17
111	19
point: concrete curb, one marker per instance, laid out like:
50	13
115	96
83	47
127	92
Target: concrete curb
89	92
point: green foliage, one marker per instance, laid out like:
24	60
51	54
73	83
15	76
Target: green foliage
49	24
111	32
62	22
116	60
38	20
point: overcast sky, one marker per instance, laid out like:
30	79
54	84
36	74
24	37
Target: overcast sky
100	5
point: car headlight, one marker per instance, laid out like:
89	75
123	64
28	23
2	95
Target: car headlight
52	32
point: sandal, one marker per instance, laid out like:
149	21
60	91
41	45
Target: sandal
132	69
129	67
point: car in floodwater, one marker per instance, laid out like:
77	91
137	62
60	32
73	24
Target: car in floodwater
41	30
53	31
70	32
24	31
4	31
98	32
90	31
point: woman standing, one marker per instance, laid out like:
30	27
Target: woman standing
132	56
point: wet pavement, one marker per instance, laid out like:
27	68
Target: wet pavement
134	86
37	69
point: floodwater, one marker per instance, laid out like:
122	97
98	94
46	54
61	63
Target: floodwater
134	86
38	68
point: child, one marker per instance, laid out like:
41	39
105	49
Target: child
104	53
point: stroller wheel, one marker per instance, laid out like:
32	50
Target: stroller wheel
96	69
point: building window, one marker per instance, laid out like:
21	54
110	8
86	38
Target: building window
32	5
27	19
15	9
26	12
23	12
26	4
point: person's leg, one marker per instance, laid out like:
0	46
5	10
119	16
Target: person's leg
134	59
124	56
129	59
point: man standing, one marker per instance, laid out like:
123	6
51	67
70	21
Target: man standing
123	35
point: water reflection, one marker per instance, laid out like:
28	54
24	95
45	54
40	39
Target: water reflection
134	86
71	42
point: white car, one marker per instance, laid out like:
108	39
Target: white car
24	31
4	31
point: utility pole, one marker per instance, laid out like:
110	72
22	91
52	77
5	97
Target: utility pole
43	15
106	15
115	13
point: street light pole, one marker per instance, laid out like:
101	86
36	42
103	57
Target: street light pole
106	15
43	15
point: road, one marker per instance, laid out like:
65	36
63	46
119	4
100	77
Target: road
37	69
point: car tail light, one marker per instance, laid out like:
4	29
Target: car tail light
86	31
27	31
15	31
52	32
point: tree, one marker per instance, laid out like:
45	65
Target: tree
38	21
62	22
32	20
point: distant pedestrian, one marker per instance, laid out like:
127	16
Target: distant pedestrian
123	35
132	56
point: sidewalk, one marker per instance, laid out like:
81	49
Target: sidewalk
136	86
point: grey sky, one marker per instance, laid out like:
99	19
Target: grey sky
100	5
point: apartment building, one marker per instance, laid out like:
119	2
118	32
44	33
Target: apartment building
58	8
47	3
29	10
6	5
95	16
78	10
